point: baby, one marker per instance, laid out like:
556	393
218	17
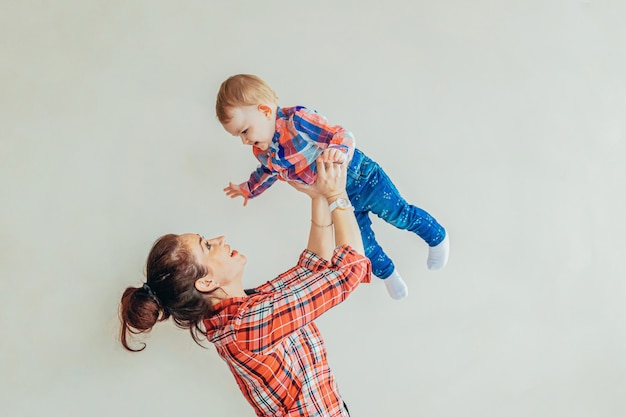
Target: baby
287	141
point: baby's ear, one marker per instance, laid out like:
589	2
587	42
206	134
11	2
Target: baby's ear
267	110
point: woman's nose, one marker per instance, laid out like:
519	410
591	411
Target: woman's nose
218	241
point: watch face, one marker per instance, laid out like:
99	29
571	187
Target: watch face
340	203
343	203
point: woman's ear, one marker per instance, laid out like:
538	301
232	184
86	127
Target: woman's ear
266	110
206	285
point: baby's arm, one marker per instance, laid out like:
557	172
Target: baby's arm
334	137
260	180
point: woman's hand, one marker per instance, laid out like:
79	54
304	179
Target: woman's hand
331	178
309	190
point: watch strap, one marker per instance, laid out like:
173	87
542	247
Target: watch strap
341	203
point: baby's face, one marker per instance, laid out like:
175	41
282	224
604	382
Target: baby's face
255	125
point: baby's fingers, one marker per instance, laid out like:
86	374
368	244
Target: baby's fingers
334	155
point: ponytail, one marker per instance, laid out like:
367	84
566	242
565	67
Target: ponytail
139	312
170	291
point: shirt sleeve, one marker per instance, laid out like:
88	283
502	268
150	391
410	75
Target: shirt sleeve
260	180
329	136
307	259
301	295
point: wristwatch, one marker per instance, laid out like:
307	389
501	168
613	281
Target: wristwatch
341	203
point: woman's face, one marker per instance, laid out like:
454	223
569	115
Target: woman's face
224	264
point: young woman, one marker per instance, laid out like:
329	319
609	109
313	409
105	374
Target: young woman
266	335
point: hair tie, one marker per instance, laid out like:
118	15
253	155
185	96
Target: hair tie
147	289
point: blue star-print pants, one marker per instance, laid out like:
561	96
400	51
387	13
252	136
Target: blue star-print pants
371	190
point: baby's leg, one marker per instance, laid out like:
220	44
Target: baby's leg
382	197
382	265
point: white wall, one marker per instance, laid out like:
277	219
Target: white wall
504	119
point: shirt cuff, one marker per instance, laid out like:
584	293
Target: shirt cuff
245	189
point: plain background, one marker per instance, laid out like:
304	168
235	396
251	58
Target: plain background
504	119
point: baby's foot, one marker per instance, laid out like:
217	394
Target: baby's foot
396	287
438	255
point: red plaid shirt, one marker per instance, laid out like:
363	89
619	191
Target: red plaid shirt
269	340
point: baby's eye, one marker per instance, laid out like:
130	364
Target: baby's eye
243	132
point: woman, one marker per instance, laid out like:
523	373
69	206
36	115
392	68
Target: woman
266	335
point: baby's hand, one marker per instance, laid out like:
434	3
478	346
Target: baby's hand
234	190
334	155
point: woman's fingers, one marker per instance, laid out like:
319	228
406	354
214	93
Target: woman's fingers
321	164
331	177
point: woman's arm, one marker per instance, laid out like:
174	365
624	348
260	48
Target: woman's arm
321	240
330	185
331	181
314	287
321	233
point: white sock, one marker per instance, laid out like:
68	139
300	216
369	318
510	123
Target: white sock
438	255
396	287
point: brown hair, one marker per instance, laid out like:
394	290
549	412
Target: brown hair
171	272
242	90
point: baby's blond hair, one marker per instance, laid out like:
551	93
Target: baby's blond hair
242	90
